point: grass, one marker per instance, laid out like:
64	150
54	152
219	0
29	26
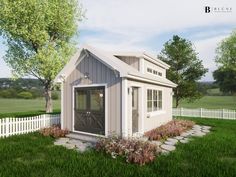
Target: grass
213	102
34	156
22	105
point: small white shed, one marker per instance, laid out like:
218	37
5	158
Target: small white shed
103	93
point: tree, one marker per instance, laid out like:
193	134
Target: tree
226	79
225	75
38	34
185	68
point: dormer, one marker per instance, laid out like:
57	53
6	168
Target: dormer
145	63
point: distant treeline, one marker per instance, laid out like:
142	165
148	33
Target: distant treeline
32	88
23	88
211	89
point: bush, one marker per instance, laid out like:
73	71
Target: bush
55	96
25	95
171	129
5	94
36	93
133	150
55	131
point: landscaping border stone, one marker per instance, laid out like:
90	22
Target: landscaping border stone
169	145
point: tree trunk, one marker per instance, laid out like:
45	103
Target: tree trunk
48	99
176	98
176	102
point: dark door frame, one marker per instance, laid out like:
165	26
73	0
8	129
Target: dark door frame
106	108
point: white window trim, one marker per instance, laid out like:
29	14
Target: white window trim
106	109
156	112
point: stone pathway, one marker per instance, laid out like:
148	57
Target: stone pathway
169	144
78	145
166	147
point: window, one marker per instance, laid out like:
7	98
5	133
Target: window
154	100
153	71
149	70
149	100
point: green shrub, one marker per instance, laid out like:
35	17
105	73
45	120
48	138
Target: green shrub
25	95
5	94
36	93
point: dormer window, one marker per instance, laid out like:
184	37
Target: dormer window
149	70
154	72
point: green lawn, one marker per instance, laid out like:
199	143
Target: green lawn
35	156
22	105
214	102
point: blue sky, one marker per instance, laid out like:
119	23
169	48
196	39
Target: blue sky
145	25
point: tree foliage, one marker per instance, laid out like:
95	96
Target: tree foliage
225	75
185	67
226	79
38	34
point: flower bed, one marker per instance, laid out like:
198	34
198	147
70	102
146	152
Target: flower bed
171	129
133	150
54	131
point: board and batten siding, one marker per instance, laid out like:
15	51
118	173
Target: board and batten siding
132	61
151	120
98	74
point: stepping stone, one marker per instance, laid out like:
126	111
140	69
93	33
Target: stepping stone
178	137
172	140
186	134
63	140
170	143
58	143
76	142
168	147
196	126
90	145
165	152
69	146
206	127
157	143
82	148
196	129
205	131
199	134
185	140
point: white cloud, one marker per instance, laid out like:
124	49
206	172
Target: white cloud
206	49
130	24
144	18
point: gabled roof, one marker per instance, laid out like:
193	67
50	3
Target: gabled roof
113	63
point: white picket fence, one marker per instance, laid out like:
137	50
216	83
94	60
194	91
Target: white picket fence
14	126
205	113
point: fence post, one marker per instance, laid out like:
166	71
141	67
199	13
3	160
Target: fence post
201	112
181	112
7	127
44	120
223	113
